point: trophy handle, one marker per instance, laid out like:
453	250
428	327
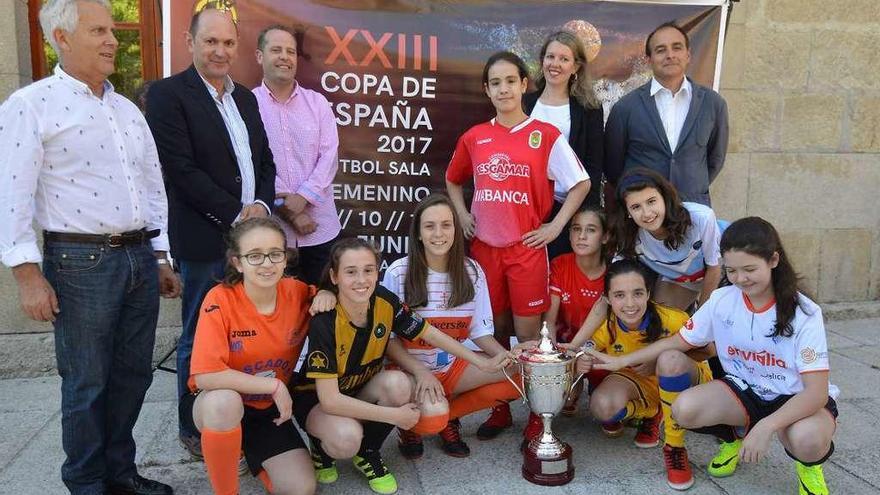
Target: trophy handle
517	387
580	376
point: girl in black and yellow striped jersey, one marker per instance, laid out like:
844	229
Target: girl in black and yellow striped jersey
344	399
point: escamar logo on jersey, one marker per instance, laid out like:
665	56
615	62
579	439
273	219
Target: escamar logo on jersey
535	139
379	331
499	168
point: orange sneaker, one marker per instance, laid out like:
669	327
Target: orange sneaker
678	469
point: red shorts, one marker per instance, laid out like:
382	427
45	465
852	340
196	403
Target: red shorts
518	277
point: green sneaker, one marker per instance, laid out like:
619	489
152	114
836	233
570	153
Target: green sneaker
725	461
811	480
325	466
372	466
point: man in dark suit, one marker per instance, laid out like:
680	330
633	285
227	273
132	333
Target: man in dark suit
217	164
671	124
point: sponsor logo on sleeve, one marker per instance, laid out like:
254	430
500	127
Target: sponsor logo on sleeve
808	355
318	361
212	308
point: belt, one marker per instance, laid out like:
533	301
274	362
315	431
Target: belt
131	238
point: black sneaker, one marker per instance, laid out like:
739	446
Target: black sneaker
410	444
450	440
138	485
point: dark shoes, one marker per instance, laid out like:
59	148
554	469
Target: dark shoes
138	485
410	444
451	442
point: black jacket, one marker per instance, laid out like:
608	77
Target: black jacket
585	138
198	161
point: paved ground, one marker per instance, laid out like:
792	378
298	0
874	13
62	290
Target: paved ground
31	455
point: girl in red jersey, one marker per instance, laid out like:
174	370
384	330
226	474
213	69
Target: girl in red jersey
449	290
517	165
249	336
577	280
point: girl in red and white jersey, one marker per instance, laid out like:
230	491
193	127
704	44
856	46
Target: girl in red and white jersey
449	290
517	165
771	341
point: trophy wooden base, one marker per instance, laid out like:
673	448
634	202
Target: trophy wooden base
552	470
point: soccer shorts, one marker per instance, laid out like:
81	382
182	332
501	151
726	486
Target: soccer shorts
261	438
648	387
518	277
755	408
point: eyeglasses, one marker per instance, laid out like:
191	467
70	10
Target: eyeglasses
257	259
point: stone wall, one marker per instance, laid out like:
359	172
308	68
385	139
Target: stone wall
801	81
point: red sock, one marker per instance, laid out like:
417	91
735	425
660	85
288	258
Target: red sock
222	450
482	398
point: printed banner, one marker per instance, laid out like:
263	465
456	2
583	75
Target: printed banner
404	77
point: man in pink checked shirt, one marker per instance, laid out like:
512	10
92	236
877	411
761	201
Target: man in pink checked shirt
302	134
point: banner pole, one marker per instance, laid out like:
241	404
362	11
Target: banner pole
719	56
166	38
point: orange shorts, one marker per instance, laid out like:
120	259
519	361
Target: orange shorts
450	378
518	277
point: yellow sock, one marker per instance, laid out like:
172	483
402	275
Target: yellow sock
670	387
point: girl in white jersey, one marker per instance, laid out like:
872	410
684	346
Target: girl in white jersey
449	290
771	342
678	241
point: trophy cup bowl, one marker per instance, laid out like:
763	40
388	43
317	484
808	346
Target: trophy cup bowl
547	379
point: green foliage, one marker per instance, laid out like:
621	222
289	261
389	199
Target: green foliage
128	76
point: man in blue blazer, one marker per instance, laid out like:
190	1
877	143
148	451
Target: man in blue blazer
217	165
671	124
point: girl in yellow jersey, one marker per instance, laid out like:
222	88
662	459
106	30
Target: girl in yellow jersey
633	322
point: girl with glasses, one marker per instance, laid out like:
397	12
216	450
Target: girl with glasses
249	336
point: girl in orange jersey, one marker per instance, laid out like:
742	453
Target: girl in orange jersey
449	290
249	336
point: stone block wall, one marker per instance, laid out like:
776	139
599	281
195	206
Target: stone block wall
802	85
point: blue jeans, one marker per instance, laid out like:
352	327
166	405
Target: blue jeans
198	277
104	336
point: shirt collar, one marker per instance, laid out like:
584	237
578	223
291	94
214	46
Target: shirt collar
272	95
79	86
643	326
228	86
656	87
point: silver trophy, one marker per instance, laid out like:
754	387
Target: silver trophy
547	377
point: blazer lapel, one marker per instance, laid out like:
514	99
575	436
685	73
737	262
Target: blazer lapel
693	112
576	114
654	115
200	94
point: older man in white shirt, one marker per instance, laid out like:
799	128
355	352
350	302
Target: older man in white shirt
80	160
